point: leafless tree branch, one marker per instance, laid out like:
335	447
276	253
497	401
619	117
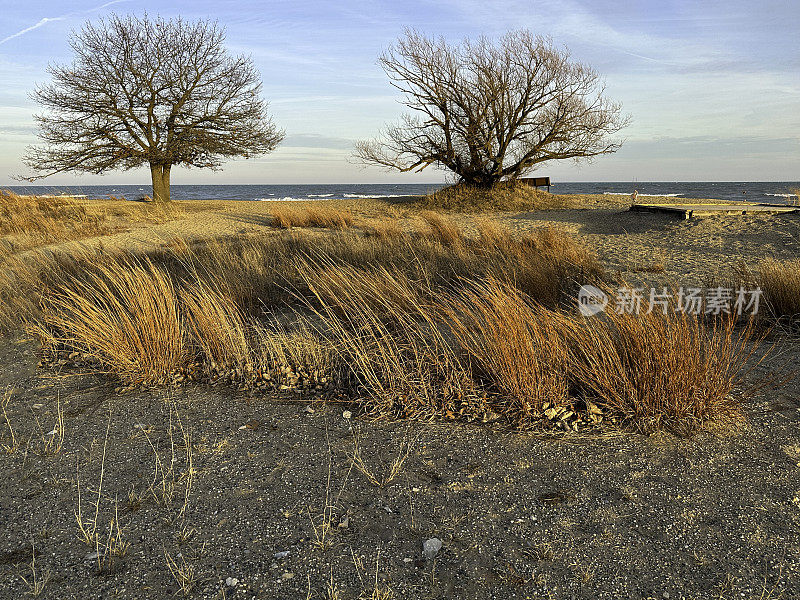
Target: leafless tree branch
489	111
154	92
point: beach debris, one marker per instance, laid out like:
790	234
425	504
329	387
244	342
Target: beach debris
431	547
231	582
347	415
252	425
555	497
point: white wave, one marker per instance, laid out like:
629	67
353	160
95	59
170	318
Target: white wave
782	195
329	196
376	195
284	199
640	194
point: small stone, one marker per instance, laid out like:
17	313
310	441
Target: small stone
408	560
251	425
281	555
344	523
309	410
347	415
431	547
231	582
287	576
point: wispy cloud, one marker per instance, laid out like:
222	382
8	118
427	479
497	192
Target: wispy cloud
63	17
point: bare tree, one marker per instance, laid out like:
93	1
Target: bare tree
150	92
492	111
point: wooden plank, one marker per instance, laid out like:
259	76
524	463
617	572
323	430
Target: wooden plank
688	211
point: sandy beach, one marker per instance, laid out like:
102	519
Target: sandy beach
696	251
267	503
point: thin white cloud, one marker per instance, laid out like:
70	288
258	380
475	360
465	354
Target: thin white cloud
47	20
32	27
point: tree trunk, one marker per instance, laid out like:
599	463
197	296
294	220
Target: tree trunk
160	177
165	193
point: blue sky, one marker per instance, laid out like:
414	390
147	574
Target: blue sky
713	87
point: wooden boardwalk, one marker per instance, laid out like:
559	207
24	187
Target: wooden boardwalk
687	211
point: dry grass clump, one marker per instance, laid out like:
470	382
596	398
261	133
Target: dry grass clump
216	325
513	345
780	283
320	216
33	220
433	325
547	264
125	314
668	372
398	358
384	229
443	230
298	347
503	196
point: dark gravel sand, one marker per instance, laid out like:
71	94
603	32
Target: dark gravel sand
603	515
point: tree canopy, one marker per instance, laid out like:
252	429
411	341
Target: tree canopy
491	111
155	92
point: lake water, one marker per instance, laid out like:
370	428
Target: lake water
776	192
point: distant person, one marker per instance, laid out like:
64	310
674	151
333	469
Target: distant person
634	196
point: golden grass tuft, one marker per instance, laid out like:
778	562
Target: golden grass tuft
33	220
384	229
514	346
443	230
216	325
780	283
399	360
318	216
299	347
125	313
657	372
503	196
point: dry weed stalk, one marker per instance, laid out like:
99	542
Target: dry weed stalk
389	472
112	545
166	480
322	523
37	580
183	572
13	445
